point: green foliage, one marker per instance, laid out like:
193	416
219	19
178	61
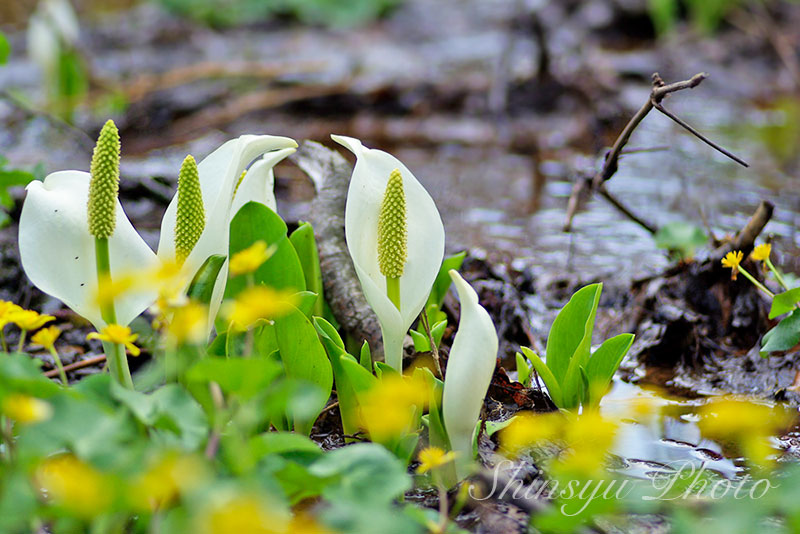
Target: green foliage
5	49
573	374
784	336
681	239
12	178
705	15
784	302
306	247
336	13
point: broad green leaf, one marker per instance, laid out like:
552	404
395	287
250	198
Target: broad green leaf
306	301
784	336
443	280
365	358
306	247
303	355
680	237
244	377
605	361
181	421
784	302
364	473
547	375
282	442
571	333
256	222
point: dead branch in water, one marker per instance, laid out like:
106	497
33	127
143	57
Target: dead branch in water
330	173
611	163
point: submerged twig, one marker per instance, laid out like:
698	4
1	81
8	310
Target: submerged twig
611	162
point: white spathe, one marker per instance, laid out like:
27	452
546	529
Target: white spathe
219	174
57	251
425	242
469	372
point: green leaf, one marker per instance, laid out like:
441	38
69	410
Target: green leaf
443	281
784	336
348	402
680	237
281	443
523	370
245	377
784	302
306	301
571	334
306	247
303	355
605	361
365	358
202	286
664	14
553	387
256	222
5	49
364	473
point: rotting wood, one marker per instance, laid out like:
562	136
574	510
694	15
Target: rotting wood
330	173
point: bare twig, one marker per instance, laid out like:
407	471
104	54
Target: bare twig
746	237
611	162
77	365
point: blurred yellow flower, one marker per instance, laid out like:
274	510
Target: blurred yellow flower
391	406
46	337
25	409
259	302
121	335
528	429
731	261
243	514
6	310
166	479
74	485
109	290
761	252
188	324
29	319
747	424
248	260
433	457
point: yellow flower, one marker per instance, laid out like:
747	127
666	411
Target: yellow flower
7	309
109	290
120	335
248	260
433	457
259	302
244	514
74	485
390	407
761	252
732	260
29	319
189	324
528	429
745	423
25	409
166	479
46	337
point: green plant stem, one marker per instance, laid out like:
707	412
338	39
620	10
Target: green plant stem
756	283
777	274
393	290
22	337
61	373
3	339
115	354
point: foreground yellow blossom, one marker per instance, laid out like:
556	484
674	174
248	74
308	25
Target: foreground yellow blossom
390	407
433	457
248	260
259	302
761	252
120	335
744	423
243	514
25	409
73	484
188	324
731	261
29	319
166	479
46	337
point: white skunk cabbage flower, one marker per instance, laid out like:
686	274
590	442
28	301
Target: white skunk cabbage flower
220	176
51	28
58	252
412	241
469	371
